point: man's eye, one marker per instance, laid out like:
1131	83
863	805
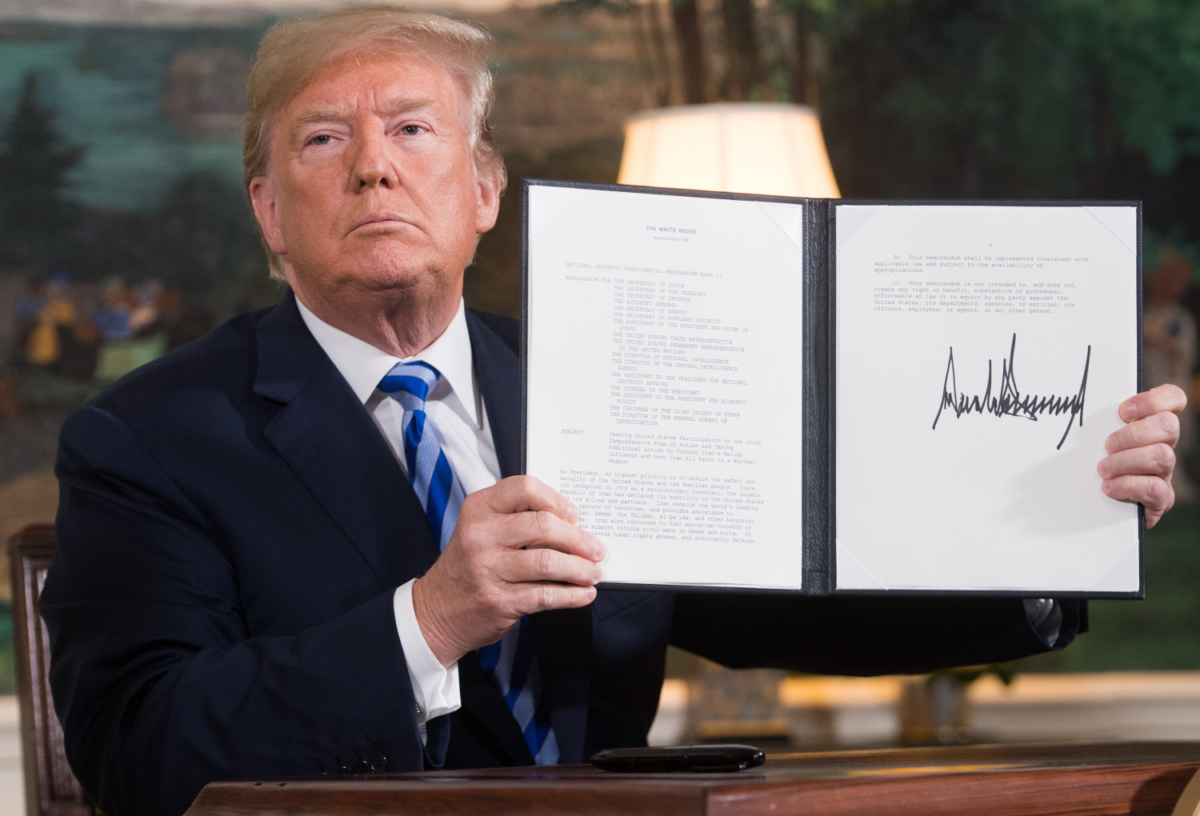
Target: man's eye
411	130
323	139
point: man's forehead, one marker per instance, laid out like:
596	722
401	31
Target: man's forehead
386	76
390	83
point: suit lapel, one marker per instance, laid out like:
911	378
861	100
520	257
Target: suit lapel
498	370
563	638
332	445
485	704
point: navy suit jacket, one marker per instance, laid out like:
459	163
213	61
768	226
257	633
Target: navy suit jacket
231	531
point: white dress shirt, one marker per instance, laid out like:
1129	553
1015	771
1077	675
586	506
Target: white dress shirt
455	410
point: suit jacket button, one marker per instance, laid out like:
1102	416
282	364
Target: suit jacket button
361	767
378	763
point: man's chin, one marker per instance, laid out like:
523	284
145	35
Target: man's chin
399	278
381	269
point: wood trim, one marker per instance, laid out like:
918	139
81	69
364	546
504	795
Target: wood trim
370	799
1150	789
50	787
1145	779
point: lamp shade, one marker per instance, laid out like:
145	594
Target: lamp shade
769	149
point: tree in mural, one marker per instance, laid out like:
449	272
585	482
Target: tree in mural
693	59
203	233
723	50
1020	99
37	219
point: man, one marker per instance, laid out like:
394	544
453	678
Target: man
289	547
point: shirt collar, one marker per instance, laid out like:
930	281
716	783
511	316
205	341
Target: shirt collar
364	366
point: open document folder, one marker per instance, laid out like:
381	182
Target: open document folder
834	396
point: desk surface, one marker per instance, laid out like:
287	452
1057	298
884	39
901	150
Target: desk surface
1083	778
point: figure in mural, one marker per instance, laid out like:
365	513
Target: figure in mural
52	314
1170	351
112	318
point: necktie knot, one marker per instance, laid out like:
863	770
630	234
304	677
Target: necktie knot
410	383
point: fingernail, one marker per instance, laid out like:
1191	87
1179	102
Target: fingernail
573	513
597	575
600	551
1128	411
1106	486
1102	468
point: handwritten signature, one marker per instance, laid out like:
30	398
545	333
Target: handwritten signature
1011	402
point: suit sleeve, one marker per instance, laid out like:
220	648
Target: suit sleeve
862	635
157	685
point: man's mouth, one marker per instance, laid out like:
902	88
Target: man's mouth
381	217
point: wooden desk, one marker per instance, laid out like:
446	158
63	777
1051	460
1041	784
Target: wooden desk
998	780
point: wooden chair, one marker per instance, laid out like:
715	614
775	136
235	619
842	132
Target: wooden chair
50	787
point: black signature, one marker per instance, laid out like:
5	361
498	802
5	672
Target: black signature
1011	402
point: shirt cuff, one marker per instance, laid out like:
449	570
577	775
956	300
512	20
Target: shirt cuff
1045	616
435	688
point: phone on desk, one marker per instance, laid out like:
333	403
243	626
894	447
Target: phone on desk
672	758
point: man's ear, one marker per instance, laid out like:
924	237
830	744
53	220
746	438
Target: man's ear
262	198
487	185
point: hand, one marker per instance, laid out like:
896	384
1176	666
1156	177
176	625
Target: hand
1141	456
515	550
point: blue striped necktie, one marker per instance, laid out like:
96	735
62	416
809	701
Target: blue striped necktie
510	662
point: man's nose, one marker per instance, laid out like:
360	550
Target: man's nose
374	162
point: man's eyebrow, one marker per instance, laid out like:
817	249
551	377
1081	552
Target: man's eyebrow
406	105
395	107
315	116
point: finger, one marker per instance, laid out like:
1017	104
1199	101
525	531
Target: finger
1156	428
1152	491
517	494
540	597
1150	460
528	566
1163	398
544	529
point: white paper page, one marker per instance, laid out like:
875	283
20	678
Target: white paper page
1007	497
664	380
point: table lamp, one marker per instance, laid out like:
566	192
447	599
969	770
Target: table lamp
763	148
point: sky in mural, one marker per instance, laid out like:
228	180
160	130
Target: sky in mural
148	105
199	11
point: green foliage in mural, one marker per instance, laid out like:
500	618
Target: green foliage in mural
35	217
1018	99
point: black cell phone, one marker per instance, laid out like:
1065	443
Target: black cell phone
671	758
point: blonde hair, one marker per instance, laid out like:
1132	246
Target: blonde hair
292	52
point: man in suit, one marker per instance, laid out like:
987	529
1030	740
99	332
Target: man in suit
297	545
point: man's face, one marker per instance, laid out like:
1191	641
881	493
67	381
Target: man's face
371	185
